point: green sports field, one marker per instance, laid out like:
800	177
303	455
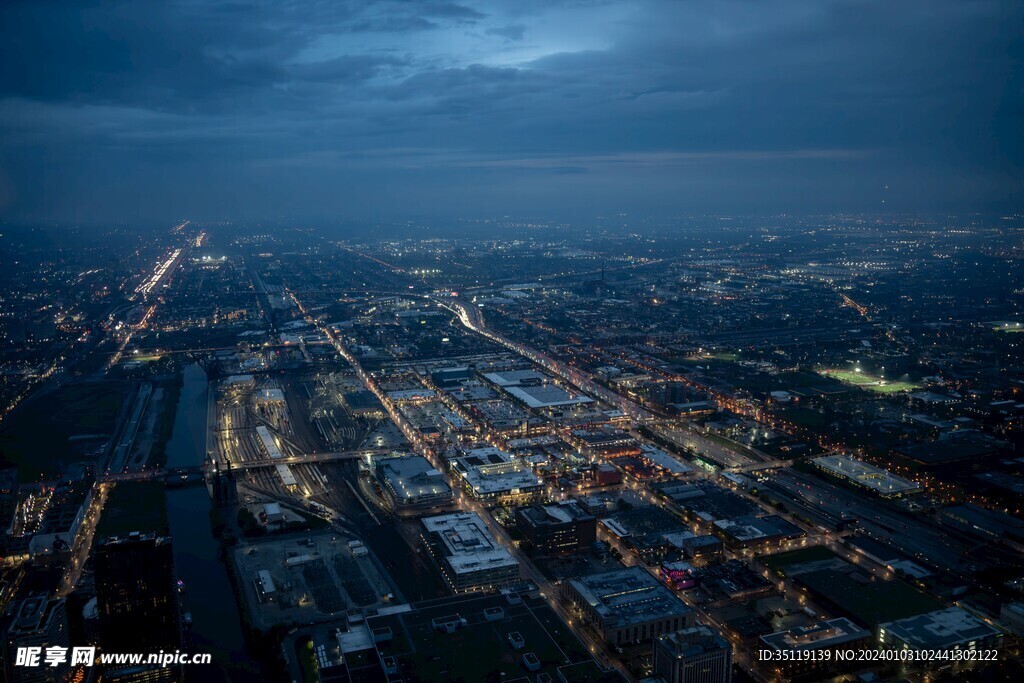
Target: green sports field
868	382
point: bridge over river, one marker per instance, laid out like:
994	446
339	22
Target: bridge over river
199	473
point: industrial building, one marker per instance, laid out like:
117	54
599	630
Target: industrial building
446	377
628	605
268	442
875	479
546	396
410	481
467	555
987	524
693	655
513	378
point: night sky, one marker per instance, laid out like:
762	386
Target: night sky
350	111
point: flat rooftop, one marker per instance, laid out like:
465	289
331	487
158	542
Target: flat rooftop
663	459
556	513
490	470
879	480
831	633
467	543
943	629
628	596
412	476
480	649
694	641
511	378
749	528
547	396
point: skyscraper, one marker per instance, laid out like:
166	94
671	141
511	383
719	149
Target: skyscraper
135	594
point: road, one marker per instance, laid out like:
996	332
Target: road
527	568
472	319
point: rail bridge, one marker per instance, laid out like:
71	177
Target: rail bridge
199	473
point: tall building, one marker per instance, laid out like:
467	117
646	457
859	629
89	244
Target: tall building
557	528
693	655
38	622
136	595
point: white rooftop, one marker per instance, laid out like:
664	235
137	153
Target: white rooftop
468	544
547	396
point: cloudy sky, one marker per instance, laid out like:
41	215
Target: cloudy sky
334	111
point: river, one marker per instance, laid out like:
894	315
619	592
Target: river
209	597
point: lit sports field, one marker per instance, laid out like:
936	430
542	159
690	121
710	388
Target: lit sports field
869	382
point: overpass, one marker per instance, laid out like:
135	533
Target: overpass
201	471
306	459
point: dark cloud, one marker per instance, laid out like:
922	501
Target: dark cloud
511	32
318	108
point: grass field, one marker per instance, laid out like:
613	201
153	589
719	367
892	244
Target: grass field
868	382
62	426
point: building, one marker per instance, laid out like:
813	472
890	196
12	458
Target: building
273	513
546	396
875	479
558	528
746	531
364	403
284	473
946	629
136	594
62	520
474	638
604	442
1011	616
834	634
514	378
987	524
446	377
272	396
268	442
410	481
37	622
467	555
491	474
693	655
628	605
